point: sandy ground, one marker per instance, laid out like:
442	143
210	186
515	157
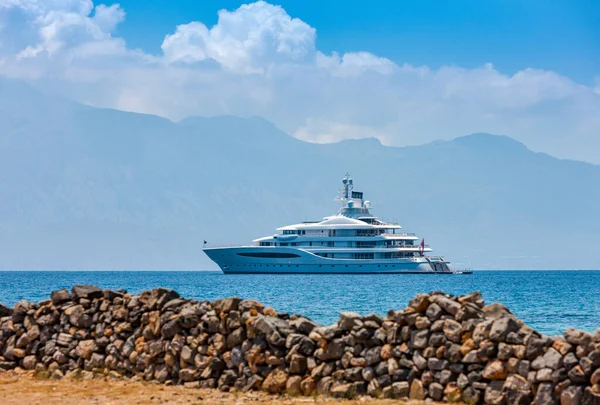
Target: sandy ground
26	389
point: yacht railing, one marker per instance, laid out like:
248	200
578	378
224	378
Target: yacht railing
215	246
327	235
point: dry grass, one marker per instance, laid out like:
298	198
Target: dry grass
24	388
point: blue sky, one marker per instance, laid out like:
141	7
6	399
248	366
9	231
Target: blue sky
562	36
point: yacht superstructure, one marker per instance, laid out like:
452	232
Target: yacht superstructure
353	241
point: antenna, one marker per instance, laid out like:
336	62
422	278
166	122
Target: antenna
346	190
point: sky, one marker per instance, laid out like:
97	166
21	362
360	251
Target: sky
405	72
563	36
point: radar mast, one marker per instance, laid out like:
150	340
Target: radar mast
345	193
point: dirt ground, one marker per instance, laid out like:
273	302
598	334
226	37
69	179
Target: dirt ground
27	389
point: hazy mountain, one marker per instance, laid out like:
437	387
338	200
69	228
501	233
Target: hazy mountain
87	188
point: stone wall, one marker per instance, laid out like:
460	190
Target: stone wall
442	347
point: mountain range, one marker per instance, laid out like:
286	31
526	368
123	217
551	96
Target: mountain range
91	188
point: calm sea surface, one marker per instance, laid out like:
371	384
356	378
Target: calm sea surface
549	301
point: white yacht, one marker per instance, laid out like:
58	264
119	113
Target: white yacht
353	241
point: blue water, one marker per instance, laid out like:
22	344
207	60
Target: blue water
549	301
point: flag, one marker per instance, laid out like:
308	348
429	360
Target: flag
422	249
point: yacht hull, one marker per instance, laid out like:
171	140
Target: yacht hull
261	260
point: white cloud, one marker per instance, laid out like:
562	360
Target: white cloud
248	40
258	60
354	64
47	27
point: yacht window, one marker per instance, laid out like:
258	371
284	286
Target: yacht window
270	255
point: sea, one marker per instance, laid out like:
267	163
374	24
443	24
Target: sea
548	301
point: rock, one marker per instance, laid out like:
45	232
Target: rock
293	385
308	386
297	364
471	396
595	379
474	297
544	375
437	364
469	311
494	395
350	320
553	359
373	355
496	311
5	311
232	344
302	344
495	371
544	395
353	374
60	296
250	305
562	346
448	305
268	325
434	312
19	311
420	339
452	330
571	396
570	360
502	327
76	314
170	329
590	397
422	322
535	347
419	361
324	385
7	365
64	339
29	362
516	383
576	374
436	391
577	337
419	303
276	381
236	338
368	373
227	305
86	291
452	393
86	348
188	375
416	390
400	389
342	391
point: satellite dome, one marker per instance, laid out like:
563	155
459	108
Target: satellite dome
367	204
